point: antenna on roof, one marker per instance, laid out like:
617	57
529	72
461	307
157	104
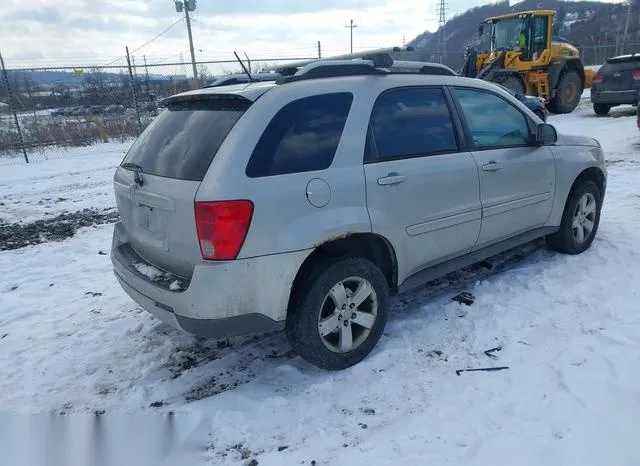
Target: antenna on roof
243	67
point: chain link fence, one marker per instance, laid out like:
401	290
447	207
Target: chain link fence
51	112
56	111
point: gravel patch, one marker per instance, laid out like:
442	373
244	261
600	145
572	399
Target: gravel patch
18	235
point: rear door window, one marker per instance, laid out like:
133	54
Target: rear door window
303	136
183	140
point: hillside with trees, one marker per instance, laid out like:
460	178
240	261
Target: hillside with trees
596	28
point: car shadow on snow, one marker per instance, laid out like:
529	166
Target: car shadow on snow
209	367
616	112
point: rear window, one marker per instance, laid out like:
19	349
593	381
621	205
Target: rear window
183	140
621	64
303	136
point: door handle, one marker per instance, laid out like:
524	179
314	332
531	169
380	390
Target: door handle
492	166
391	178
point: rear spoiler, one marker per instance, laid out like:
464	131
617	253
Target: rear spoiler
202	96
624	58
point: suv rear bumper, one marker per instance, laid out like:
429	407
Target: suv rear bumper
629	97
222	299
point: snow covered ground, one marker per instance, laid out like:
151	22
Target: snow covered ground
82	178
72	342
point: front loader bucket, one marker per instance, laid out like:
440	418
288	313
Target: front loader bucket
488	71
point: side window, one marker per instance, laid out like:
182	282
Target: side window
492	121
303	136
409	122
539	39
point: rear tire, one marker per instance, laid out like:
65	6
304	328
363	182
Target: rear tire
601	109
580	220
338	312
568	93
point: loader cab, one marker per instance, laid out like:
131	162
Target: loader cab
528	33
540	35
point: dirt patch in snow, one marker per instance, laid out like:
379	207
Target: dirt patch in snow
17	235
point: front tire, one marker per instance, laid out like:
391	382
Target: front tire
580	220
568	93
338	312
512	83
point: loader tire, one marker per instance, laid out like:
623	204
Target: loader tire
568	93
512	83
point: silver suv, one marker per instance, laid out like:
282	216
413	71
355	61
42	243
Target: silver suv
304	204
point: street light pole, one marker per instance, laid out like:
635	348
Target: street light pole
187	6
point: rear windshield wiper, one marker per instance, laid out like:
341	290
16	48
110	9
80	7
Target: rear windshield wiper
137	169
132	166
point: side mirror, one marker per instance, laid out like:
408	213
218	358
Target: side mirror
480	29
546	134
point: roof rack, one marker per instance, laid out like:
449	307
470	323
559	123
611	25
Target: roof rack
406	66
376	63
349	56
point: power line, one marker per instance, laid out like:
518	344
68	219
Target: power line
157	36
146	43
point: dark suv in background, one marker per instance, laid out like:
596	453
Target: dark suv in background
616	83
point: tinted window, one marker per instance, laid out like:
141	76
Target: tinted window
621	65
302	137
411	121
182	141
492	121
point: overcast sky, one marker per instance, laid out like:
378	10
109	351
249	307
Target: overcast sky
82	32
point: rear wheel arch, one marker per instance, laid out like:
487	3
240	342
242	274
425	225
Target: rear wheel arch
370	246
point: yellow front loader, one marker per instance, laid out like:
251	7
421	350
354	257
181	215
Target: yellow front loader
519	51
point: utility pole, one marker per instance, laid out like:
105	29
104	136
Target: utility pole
626	27
134	94
187	6
352	27
319	50
146	76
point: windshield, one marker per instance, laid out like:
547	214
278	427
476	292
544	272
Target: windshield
505	33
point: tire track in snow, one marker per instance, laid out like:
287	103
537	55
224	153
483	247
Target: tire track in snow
212	367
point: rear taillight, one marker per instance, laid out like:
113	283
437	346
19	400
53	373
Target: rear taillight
222	228
636	75
597	79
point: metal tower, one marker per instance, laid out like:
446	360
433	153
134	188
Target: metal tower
442	39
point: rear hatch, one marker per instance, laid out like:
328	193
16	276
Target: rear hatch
156	184
618	74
